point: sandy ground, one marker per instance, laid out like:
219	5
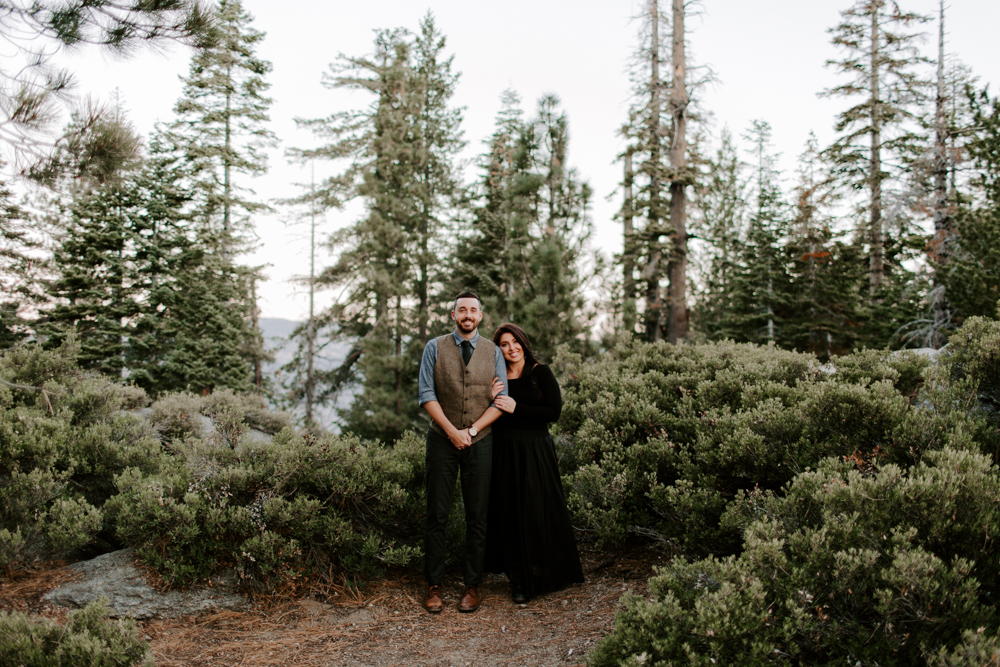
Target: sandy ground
385	624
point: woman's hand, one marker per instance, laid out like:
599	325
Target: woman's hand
505	403
497	387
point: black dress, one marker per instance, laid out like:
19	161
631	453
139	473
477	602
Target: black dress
530	536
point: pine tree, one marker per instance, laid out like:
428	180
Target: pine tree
681	175
96	285
221	130
437	173
401	150
657	133
524	255
303	380
826	273
20	261
190	310
722	203
880	61
33	87
761	288
221	119
974	272
492	260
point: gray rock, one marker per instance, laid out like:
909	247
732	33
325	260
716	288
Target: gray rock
254	436
116	577
929	352
207	427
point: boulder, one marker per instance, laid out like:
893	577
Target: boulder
116	576
207	426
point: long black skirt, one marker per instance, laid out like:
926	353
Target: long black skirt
529	535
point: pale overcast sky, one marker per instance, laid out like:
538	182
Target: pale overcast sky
768	58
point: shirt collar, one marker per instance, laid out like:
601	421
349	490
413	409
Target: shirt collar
458	339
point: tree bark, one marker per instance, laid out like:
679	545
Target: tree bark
876	262
943	229
628	249
258	370
225	163
311	325
651	273
677	317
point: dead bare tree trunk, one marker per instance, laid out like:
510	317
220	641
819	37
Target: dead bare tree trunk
258	366
677	322
311	325
876	262
940	250
628	253
651	273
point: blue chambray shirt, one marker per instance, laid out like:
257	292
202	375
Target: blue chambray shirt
425	382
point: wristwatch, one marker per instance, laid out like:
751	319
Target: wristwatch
473	431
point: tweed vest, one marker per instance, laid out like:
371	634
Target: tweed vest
464	391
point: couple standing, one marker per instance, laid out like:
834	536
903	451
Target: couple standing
516	520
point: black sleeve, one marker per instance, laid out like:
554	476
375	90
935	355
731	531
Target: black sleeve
551	404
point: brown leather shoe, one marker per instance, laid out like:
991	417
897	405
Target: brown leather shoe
470	600
433	602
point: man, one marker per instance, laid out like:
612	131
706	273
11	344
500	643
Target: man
456	375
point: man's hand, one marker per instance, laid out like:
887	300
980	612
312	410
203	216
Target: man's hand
461	439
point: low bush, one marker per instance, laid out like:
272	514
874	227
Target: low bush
179	414
89	639
665	437
275	510
64	435
851	566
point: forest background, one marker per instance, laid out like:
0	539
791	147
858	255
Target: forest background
754	117
724	321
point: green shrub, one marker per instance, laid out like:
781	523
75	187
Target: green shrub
64	436
663	439
252	408
90	639
176	415
903	368
894	567
276	510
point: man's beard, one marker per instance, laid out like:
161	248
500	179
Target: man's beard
468	325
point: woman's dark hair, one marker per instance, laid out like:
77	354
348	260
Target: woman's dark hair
530	361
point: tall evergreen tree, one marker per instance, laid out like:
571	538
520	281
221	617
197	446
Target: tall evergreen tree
96	285
221	121
221	129
680	175
401	151
721	201
974	272
658	159
437	173
826	272
192	306
525	251
20	261
761	288
880	62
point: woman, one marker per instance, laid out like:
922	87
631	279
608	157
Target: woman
530	536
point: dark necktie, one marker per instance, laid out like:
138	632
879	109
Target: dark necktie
466	351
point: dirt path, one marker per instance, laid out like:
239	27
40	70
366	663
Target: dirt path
387	626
